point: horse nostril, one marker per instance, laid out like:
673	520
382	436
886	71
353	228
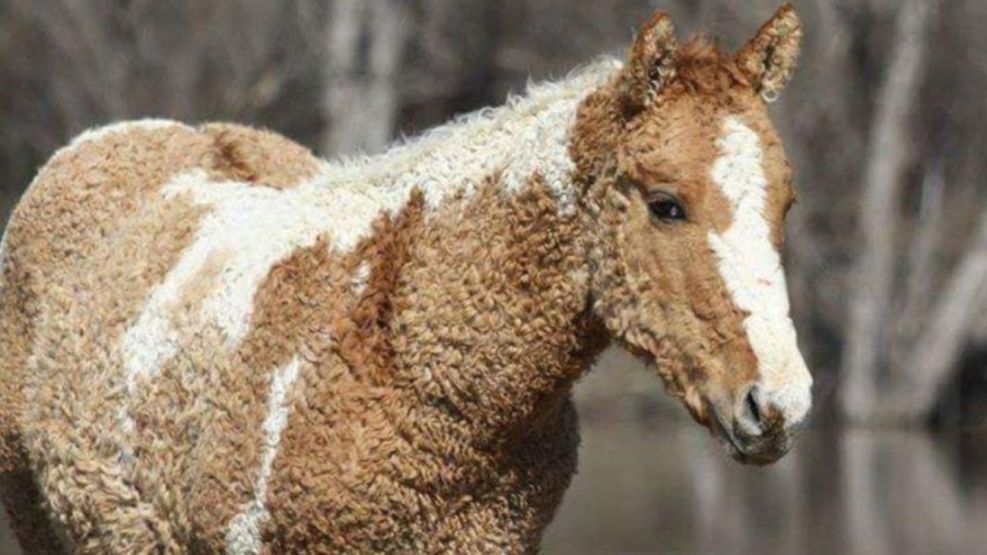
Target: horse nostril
753	410
751	417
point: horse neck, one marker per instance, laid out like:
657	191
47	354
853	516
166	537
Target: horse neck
493	323
493	327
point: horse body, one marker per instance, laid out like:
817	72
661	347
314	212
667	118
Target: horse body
244	314
215	342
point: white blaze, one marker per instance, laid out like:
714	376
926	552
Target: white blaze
751	267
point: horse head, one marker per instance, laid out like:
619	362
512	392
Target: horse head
689	186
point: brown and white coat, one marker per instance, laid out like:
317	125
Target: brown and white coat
213	341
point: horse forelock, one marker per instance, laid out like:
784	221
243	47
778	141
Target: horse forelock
701	67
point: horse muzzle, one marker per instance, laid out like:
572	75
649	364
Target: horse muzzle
759	426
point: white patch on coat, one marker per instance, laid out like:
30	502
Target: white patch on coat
260	225
752	269
244	530
359	280
251	227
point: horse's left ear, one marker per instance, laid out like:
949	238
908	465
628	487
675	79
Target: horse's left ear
650	63
770	57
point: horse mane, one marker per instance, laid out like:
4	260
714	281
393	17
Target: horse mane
475	128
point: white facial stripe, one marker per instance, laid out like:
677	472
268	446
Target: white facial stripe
752	270
243	532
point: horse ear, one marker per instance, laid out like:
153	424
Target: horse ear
769	58
650	64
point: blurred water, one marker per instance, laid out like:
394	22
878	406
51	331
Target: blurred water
8	544
669	488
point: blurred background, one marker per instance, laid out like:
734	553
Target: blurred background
886	251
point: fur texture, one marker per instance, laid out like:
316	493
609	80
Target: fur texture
213	341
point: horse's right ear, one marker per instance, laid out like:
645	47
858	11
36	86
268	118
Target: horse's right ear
650	65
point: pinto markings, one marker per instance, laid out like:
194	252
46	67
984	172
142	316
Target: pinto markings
243	533
262	225
492	295
250	227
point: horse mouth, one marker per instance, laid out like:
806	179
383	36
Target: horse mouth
756	451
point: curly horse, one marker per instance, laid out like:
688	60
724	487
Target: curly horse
214	342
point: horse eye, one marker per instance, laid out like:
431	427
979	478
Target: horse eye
666	209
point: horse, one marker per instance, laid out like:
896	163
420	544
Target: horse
214	341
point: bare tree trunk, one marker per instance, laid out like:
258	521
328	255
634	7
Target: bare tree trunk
866	341
919	270
934	356
366	42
